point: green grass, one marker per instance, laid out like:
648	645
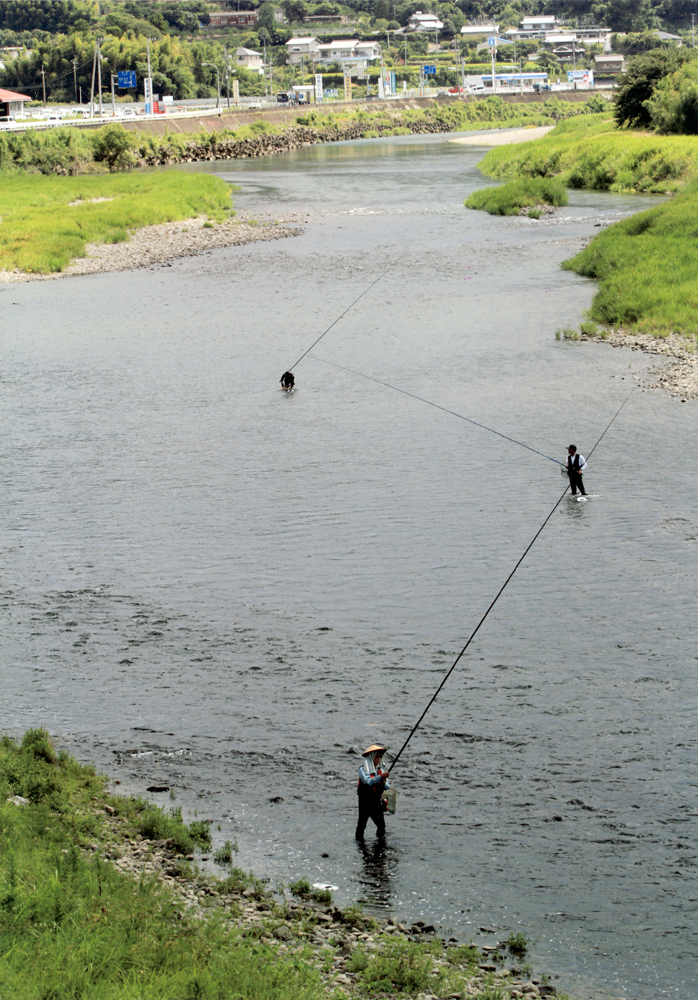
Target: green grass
41	232
589	152
72	926
510	198
648	268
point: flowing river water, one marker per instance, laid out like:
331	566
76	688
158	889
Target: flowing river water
221	588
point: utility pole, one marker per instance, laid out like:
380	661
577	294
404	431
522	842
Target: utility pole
99	76
149	86
92	86
75	77
693	29
493	52
43	82
227	74
113	100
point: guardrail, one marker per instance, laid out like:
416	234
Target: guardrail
105	119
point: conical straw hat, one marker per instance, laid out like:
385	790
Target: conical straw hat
373	748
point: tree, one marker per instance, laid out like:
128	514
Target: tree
638	84
673	107
296	11
265	17
112	145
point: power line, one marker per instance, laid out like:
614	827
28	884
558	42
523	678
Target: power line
499	593
438	406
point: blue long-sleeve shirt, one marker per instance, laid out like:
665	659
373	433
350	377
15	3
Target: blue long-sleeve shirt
372	779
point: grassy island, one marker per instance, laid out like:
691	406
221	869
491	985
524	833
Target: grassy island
530	194
101	900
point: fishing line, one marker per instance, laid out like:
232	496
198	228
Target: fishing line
437	406
380	276
499	593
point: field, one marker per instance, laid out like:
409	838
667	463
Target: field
589	152
48	221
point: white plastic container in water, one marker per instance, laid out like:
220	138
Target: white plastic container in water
390	796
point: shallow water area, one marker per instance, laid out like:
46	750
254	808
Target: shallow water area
230	590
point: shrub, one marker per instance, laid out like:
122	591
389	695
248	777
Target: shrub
566	333
517	944
637	85
112	145
402	965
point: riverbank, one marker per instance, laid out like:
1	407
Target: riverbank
101	893
507	137
679	377
159	245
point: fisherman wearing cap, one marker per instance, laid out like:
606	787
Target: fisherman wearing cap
372	783
574	468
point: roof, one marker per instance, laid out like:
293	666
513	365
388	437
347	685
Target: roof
480	29
248	52
301	41
666	36
609	58
9	95
539	19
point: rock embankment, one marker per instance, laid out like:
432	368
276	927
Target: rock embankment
680	377
162	244
221	147
337	943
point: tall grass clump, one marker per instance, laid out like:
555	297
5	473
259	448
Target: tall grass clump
48	221
73	926
510	198
648	268
589	152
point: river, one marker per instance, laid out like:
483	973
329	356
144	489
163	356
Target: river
212	585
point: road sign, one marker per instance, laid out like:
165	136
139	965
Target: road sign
492	42
126	78
430	70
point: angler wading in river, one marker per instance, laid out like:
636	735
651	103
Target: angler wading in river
373	781
574	468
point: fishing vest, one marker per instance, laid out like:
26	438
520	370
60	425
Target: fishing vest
573	466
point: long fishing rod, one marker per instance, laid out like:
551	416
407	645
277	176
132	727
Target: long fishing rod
438	406
499	594
315	342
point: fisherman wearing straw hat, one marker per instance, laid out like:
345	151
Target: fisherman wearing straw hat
372	783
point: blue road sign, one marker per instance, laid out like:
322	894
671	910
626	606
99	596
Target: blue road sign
492	42
126	78
430	70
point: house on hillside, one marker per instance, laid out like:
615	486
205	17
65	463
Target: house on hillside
348	52
665	36
301	50
608	65
424	22
249	59
476	30
538	24
11	104
233	19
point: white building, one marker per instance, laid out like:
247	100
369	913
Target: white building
348	51
301	50
12	104
475	30
424	22
249	59
539	23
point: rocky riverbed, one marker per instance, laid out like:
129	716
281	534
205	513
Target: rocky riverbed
337	943
160	245
679	377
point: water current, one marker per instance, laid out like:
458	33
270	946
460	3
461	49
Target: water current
215	586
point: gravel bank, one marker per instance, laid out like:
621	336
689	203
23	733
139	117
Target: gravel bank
328	938
160	245
680	377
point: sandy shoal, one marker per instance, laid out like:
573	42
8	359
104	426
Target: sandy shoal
504	136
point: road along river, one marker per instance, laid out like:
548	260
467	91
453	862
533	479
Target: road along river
217	587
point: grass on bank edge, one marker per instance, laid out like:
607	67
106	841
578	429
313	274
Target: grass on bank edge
590	152
73	926
648	268
41	231
509	199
